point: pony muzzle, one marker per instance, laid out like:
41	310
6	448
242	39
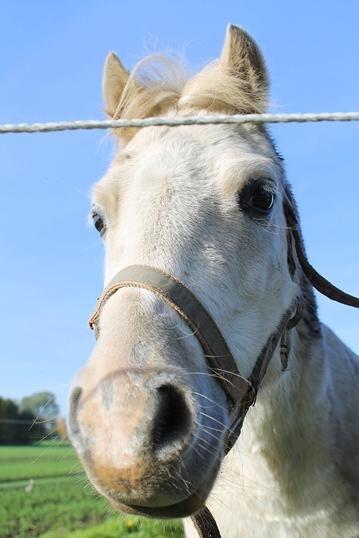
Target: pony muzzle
139	442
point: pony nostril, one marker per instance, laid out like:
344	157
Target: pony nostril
74	403
173	419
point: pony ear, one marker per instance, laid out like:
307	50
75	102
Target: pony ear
242	59
114	80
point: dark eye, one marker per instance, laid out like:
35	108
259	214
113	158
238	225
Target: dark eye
99	221
257	198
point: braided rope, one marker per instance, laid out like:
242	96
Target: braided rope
177	121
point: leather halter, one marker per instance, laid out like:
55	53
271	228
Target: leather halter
240	392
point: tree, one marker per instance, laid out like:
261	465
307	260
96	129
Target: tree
41	404
44	406
18	427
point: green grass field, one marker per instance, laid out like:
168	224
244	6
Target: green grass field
45	460
59	502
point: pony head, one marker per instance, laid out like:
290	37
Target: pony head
205	204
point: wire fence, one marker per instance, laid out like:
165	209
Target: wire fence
177	121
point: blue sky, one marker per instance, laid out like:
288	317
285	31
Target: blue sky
51	58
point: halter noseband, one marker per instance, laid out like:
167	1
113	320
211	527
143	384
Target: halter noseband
241	393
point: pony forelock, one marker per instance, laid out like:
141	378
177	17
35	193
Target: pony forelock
161	85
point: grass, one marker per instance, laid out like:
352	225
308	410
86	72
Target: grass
37	461
134	527
66	506
61	504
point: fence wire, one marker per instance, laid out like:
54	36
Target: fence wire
177	121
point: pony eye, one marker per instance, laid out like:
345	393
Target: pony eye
262	200
98	221
256	198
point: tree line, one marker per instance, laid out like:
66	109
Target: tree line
31	419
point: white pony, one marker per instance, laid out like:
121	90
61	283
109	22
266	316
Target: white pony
148	419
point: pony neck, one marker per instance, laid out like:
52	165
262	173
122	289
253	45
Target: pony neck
285	433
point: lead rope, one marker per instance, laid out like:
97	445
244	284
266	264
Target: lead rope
205	524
